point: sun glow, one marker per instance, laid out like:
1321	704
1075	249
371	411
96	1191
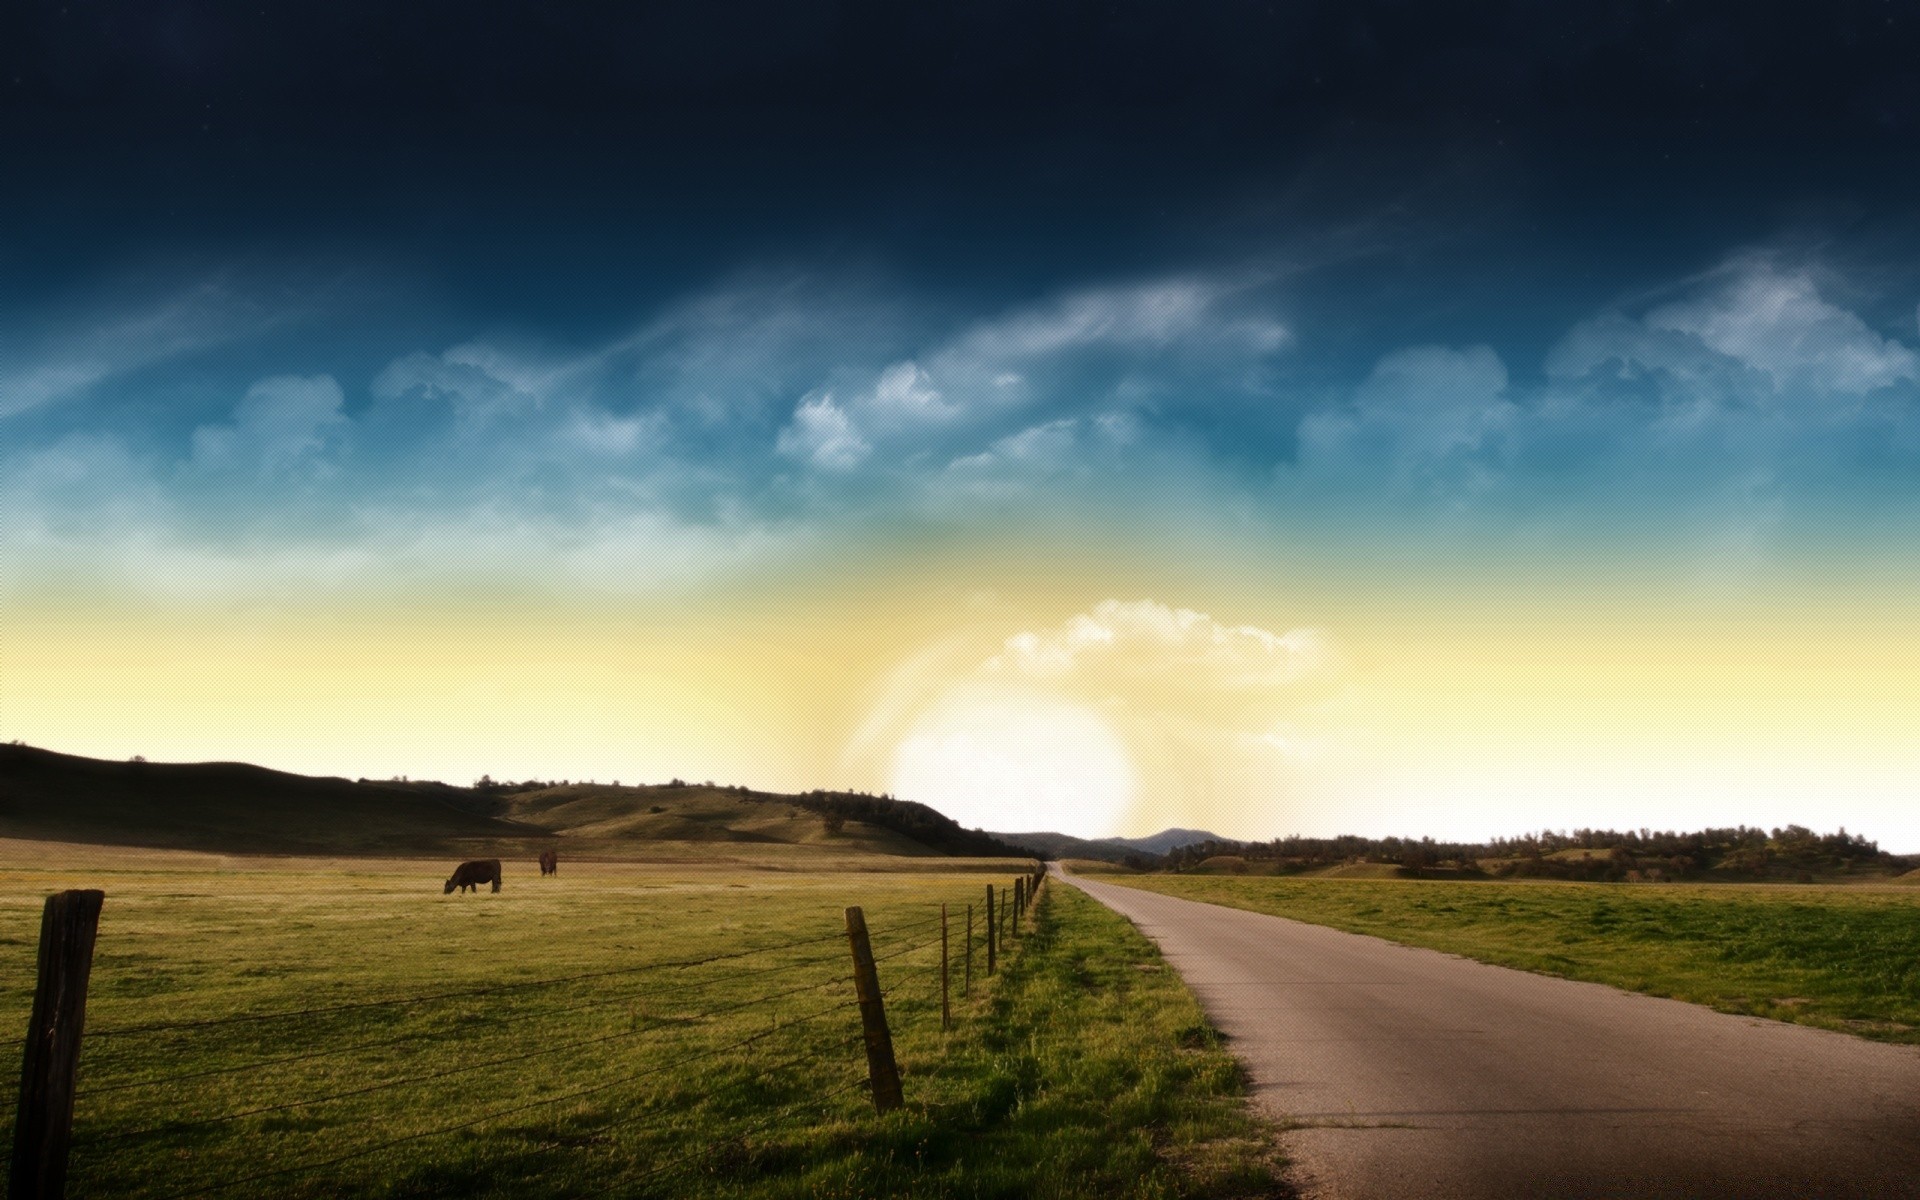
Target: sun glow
1014	761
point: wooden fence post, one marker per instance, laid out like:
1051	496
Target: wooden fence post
990	930
966	981
946	1005
43	1122
882	1072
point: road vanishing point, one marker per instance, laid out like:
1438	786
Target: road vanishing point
1396	1073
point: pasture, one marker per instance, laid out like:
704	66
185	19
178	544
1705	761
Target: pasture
339	1027
1843	957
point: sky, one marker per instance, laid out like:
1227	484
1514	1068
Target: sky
1421	419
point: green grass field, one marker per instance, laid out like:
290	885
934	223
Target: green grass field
1845	958
628	1029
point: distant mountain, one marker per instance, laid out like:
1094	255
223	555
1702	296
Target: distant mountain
239	808
1167	840
1062	845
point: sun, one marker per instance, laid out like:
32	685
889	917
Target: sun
1016	762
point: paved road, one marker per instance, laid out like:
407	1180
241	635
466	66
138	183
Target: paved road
1405	1074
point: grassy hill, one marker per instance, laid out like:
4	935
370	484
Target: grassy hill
227	806
238	808
693	813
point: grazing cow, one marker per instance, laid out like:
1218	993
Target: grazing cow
549	863
468	876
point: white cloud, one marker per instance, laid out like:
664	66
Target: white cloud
1755	332
1618	348
1154	314
905	394
480	382
593	431
1043	449
73	491
1431	418
1022	463
1776	321
822	434
282	421
1114	348
1134	639
107	346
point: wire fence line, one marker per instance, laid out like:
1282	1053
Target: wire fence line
464	1069
469	1020
690	1023
422	1035
491	990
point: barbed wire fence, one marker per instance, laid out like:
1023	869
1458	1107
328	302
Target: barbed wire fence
685	1059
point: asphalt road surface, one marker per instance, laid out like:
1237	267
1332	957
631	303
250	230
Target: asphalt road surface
1401	1073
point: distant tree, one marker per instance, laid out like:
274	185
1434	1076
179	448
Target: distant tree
834	823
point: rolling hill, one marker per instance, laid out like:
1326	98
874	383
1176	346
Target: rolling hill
1115	849
240	808
227	806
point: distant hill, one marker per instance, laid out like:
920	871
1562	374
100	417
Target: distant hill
239	808
1062	845
227	806
1167	840
702	812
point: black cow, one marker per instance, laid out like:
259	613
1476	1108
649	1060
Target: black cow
468	876
549	863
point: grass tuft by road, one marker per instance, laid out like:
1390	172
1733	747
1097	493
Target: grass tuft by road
1843	958
1089	1072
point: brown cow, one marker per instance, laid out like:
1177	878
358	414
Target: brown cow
549	863
468	876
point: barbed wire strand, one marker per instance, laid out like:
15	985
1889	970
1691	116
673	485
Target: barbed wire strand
402	1039
497	1114
240	1018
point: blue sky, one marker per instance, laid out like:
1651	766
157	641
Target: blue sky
1769	396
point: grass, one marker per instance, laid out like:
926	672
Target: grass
1844	958
1084	1069
1092	1073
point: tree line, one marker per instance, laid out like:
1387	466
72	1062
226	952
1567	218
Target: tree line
1586	854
